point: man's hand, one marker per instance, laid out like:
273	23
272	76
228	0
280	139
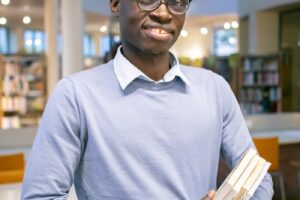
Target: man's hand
210	195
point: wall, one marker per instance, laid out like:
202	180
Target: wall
290	31
246	7
193	46
213	7
244	35
97	6
260	25
268	30
263	33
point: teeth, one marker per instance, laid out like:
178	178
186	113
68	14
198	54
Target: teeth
159	31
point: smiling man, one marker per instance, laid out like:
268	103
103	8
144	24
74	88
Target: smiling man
142	126
148	29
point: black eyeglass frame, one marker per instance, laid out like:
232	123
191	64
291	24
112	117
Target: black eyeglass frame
167	4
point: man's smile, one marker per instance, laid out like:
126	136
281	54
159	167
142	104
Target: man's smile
158	33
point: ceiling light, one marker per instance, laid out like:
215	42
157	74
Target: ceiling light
3	20
28	42
26	20
184	33
234	24
227	25
203	30
5	2
298	43
37	42
103	29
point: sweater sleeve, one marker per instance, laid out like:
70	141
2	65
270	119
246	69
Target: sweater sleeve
57	147
236	138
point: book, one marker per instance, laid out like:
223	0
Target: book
252	178
245	177
253	188
232	178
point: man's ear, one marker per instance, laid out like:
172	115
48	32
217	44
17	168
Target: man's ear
114	6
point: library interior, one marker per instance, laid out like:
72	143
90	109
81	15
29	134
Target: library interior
253	44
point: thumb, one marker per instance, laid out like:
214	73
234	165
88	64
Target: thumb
210	195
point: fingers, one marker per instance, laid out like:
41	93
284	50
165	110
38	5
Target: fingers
210	195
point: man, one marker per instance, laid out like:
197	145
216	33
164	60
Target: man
141	127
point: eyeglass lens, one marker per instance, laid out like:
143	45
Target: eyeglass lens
174	6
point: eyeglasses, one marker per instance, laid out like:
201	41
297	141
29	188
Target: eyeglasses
174	6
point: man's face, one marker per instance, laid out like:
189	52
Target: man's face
149	31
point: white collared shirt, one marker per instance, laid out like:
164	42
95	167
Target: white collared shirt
126	72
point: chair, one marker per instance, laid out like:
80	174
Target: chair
12	168
268	148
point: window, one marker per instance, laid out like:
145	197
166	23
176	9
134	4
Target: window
104	45
89	46
8	41
3	40
225	42
106	42
34	41
59	43
39	42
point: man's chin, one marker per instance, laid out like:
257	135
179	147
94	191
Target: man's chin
157	51
151	49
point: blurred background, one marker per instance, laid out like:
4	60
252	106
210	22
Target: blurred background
253	44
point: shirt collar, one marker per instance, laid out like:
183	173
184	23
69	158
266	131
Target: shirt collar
126	72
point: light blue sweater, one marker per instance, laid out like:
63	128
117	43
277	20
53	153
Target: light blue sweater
151	141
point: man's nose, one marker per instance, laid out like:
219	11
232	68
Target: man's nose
162	12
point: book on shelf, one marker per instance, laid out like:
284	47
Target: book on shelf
245	177
23	90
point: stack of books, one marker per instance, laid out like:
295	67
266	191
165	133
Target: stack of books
245	178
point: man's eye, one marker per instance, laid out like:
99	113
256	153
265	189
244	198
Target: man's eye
177	3
147	1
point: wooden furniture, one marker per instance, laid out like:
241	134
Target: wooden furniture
268	148
11	168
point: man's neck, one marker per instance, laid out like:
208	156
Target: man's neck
155	66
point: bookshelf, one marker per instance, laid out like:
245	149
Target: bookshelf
228	67
222	67
260	84
23	90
